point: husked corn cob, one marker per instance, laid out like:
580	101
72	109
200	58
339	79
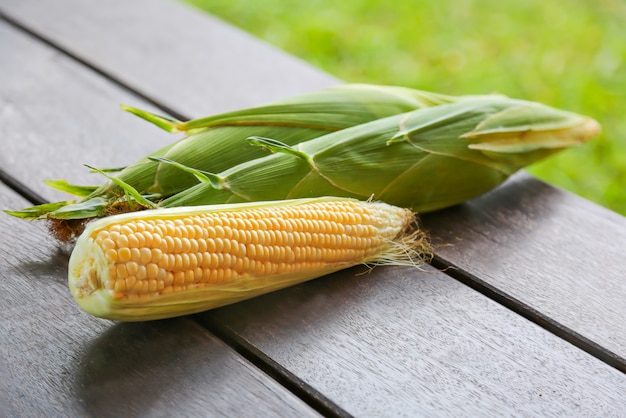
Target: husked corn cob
169	262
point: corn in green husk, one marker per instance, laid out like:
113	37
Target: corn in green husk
219	142
412	149
425	160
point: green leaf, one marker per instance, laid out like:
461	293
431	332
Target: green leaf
91	208
203	176
64	186
163	122
128	189
36	212
112	169
274	145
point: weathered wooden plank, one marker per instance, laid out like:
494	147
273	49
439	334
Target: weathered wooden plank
56	116
170	52
56	360
553	251
403	342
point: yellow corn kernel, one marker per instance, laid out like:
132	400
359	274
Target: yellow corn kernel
169	262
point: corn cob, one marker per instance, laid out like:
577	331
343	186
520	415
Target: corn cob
215	143
169	262
445	152
218	142
425	160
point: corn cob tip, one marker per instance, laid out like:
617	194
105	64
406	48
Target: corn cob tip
170	262
590	128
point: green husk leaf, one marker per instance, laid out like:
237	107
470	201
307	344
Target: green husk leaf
537	128
367	101
128	189
166	123
274	145
111	169
91	208
64	186
37	212
202	176
526	116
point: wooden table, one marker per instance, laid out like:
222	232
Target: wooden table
522	312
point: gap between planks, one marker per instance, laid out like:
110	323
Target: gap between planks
280	374
497	295
20	188
105	74
273	369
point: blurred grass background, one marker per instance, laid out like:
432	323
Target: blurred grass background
570	54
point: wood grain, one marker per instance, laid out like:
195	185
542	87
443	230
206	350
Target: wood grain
554	251
170	52
57	116
404	342
56	360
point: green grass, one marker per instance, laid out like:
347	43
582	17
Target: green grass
569	54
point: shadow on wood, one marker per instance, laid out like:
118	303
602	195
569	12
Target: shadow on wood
142	365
